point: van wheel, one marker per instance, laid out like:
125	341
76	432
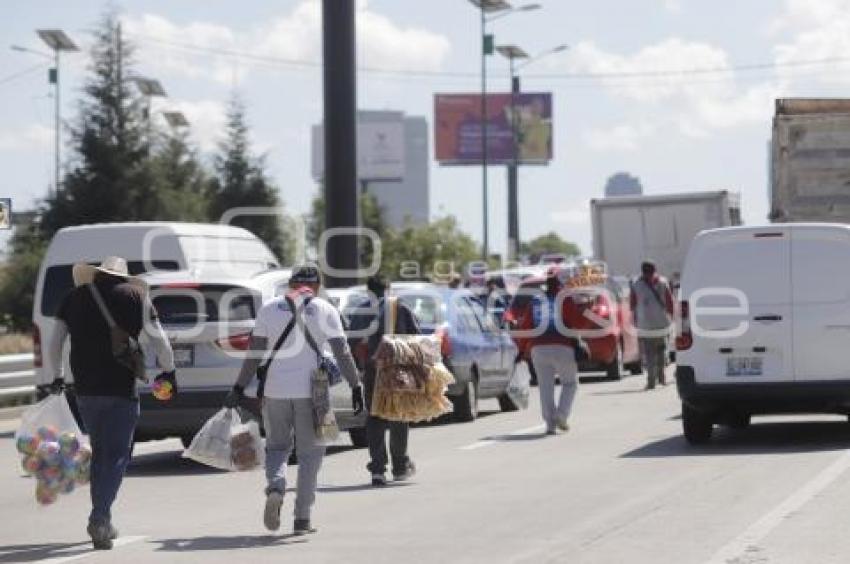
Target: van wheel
359	438
697	425
466	404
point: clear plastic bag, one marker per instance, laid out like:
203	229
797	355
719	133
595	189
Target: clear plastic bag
226	443
519	388
53	448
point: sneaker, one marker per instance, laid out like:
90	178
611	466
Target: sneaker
113	532
407	473
302	527
100	536
379	480
562	424
271	515
550	432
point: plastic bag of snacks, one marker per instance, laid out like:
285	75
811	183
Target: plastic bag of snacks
226	443
53	449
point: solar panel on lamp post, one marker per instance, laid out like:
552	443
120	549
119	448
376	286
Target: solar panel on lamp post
58	41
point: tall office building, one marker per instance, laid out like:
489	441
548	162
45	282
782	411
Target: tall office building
392	163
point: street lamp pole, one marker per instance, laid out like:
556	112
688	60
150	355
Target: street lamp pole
512	52
485	248
58	41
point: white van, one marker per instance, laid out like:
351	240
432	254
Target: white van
765	325
147	246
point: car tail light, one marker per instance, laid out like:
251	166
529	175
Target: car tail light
684	339
235	342
442	333
36	346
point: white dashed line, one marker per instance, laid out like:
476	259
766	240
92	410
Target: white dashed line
748	541
487	442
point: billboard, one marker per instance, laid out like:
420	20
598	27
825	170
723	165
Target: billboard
380	150
457	128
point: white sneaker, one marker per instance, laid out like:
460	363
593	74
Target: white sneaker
271	515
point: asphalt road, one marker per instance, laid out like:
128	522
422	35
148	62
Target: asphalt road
621	486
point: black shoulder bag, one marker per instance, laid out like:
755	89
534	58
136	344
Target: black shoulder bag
126	349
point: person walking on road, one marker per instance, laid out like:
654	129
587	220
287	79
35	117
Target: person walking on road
652	309
378	324
284	329
552	351
105	300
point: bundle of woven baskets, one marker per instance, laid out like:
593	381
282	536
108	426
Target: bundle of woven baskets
411	379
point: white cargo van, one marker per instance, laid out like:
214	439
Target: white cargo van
787	349
211	249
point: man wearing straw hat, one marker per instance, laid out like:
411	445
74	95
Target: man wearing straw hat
108	310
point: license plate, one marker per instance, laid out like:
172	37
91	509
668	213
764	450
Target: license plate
744	366
184	356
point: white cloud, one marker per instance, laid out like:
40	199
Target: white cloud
695	104
674	6
293	37
622	137
819	30
34	136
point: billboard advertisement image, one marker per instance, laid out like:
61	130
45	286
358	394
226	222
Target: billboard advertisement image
457	126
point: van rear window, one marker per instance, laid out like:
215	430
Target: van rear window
58	281
206	303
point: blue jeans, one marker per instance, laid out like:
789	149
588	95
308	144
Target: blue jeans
110	423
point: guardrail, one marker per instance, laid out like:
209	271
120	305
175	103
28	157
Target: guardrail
17	384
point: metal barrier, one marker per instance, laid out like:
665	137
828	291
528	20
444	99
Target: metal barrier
17	384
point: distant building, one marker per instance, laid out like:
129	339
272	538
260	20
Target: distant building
392	163
623	184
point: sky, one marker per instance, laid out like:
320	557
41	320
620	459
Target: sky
679	93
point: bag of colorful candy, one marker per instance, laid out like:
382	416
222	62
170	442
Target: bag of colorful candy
53	449
226	443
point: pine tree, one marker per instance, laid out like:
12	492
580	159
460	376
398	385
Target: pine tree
108	178
180	181
240	181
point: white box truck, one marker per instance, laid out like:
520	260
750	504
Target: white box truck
627	230
810	161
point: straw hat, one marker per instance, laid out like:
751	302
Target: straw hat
114	266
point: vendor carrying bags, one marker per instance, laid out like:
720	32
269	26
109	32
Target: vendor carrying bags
289	408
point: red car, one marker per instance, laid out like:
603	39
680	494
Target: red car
614	351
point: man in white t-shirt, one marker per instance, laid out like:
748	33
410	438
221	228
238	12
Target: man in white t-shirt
287	389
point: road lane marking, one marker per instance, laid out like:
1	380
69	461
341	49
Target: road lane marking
487	442
119	542
748	541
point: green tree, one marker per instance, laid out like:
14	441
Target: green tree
108	177
240	181
429	250
549	243
18	275
180	180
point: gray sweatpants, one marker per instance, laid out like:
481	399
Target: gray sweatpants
653	351
289	421
549	361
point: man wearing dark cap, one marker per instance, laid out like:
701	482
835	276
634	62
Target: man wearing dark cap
288	323
652	308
